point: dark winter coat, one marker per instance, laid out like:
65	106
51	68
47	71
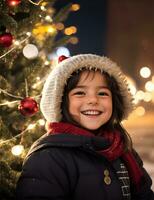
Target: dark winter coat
66	167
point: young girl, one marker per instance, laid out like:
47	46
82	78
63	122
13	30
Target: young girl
86	153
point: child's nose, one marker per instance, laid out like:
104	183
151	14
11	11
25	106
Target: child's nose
92	99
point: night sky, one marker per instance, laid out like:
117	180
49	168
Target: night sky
90	21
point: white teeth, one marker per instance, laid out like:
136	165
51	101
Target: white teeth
91	112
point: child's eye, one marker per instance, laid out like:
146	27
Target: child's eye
80	93
103	94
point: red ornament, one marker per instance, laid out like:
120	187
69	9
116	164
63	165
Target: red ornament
28	106
6	39
13	2
61	58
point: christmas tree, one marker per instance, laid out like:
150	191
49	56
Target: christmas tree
30	33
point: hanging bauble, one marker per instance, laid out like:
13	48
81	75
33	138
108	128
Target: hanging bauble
28	106
30	51
61	58
13	2
6	39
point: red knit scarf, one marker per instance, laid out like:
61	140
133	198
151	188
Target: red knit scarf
114	151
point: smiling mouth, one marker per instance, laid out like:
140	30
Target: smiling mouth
91	112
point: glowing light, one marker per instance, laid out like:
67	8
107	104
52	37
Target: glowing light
70	30
28	33
73	40
31	126
62	51
139	95
59	26
36	84
13	2
16	42
38	78
43	8
75	7
140	111
147	97
48	18
149	86
30	51
17	150
145	72
47	62
51	29
41	122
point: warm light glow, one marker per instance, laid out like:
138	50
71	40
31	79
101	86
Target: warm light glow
75	7
43	8
41	122
38	78
149	86
147	97
145	72
59	26
31	126
17	150
16	42
139	95
28	33
13	3
47	62
73	40
51	29
48	18
140	111
70	30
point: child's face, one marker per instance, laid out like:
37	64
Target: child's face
90	102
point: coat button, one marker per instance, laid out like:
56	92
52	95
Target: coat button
107	178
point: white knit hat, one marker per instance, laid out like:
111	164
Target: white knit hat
54	86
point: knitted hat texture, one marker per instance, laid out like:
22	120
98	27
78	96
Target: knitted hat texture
54	86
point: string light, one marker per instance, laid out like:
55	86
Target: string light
147	97
28	33
60	26
46	62
37	78
17	150
43	8
41	122
73	40
149	86
31	126
48	18
16	42
75	7
140	110
140	95
70	30
145	72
